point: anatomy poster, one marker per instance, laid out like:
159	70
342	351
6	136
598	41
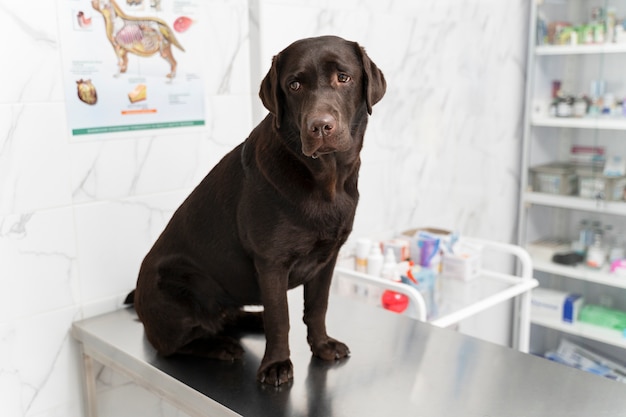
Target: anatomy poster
132	65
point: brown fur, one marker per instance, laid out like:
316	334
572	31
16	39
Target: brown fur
270	216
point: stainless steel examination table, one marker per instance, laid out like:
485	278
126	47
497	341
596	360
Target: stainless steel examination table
398	367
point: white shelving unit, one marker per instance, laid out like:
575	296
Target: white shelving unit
610	337
608	123
576	203
581	273
607	48
456	299
548	139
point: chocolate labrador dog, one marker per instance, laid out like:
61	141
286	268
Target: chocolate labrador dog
270	216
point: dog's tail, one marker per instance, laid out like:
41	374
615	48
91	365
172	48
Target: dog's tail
130	298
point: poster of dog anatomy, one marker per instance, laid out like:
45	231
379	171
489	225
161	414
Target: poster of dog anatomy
131	65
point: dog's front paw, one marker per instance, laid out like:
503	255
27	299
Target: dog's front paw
329	349
275	373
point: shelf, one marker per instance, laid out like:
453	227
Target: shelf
575	203
581	273
589	331
607	48
549	138
603	123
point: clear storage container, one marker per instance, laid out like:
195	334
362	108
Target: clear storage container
593	184
554	178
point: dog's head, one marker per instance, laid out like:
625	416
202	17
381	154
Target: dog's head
321	88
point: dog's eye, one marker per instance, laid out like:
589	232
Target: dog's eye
295	85
343	78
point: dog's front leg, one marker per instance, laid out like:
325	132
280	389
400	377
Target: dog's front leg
316	294
276	367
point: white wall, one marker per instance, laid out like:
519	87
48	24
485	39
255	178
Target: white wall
443	145
77	216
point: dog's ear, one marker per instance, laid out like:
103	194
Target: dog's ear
270	92
374	84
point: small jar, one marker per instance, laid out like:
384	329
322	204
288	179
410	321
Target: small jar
564	109
580	107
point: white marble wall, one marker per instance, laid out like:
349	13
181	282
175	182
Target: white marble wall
77	216
443	146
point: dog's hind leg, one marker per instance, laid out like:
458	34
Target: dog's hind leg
181	312
177	333
224	345
220	347
241	321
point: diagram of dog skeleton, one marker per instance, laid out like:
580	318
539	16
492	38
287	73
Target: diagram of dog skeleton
131	65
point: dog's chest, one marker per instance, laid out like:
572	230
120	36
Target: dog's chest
330	221
331	206
316	251
309	266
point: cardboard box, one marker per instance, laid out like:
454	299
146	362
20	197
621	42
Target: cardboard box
545	249
464	264
556	305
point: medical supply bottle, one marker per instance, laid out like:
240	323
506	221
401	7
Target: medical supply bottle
375	261
363	247
392	300
596	253
583	239
374	267
390	267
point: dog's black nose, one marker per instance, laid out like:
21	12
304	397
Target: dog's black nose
322	125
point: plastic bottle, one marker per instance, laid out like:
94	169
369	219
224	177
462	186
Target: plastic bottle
392	300
375	261
609	236
611	22
584	238
614	244
595	230
390	267
363	247
596	254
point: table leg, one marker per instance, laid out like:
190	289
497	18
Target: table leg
89	383
524	322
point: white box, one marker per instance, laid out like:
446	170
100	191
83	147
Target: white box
545	249
556	305
464	264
